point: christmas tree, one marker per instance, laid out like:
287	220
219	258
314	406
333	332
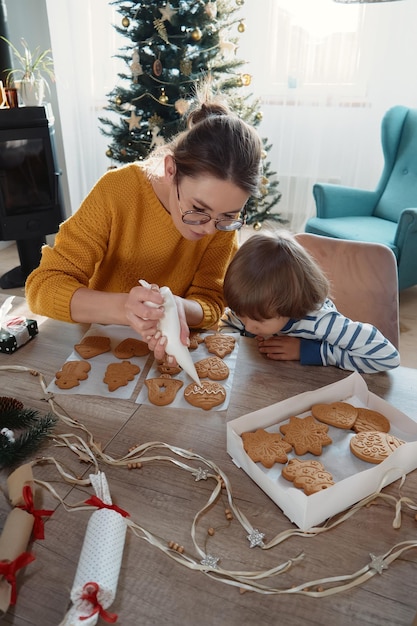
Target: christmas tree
172	46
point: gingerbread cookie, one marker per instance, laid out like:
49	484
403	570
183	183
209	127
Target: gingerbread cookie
212	367
131	347
92	345
209	395
119	374
373	446
195	340
305	434
71	373
167	368
371	420
338	414
219	344
265	447
162	391
307	475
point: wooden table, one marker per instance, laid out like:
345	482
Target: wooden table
153	588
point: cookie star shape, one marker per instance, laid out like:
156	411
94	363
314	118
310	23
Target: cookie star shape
266	448
306	434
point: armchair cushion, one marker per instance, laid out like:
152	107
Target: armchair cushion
366	228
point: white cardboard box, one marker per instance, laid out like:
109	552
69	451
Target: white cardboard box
354	479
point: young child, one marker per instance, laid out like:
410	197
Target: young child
277	293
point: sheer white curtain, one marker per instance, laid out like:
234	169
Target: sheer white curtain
326	73
84	43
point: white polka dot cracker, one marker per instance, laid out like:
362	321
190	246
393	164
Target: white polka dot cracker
97	575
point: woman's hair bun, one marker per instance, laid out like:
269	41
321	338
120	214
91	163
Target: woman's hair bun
205	110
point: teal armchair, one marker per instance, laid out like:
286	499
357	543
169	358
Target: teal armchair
387	215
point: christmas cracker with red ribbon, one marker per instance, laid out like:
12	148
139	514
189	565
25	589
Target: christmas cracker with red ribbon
16	534
97	575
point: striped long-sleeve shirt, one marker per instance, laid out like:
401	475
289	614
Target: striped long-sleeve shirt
329	338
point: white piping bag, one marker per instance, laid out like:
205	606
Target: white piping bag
169	325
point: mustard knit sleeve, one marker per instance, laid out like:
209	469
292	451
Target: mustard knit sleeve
69	265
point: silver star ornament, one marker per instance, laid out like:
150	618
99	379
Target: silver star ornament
210	561
377	563
200	474
255	538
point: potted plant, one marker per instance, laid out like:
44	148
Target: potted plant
31	78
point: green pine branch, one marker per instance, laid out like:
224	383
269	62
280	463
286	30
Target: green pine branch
27	443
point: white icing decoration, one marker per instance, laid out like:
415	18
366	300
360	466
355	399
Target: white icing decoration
204	391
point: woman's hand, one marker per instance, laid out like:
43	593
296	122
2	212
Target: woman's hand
144	308
280	348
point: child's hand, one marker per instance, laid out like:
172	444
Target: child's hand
280	348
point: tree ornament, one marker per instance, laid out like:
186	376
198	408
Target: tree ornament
167	12
155	120
257	226
125	22
160	29
181	106
211	9
186	67
259	116
241	27
196	34
246	79
118	101
157	139
227	48
134	121
240	3
157	67
109	153
135	66
264	154
163	98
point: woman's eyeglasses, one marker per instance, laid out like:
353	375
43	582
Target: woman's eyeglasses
197	218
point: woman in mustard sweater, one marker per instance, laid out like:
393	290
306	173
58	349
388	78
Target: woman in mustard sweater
170	220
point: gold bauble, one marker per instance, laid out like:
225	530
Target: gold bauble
196	34
259	116
246	79
163	98
257	226
240	2
109	153
264	154
241	27
118	101
125	22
